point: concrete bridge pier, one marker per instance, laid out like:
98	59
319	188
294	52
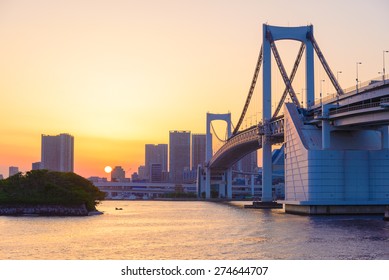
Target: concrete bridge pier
385	137
252	185
229	183
207	183
225	184
266	171
326	127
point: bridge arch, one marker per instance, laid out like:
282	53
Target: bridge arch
213	117
210	118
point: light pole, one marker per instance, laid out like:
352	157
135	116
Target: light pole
337	75
302	97
357	75
383	65
320	89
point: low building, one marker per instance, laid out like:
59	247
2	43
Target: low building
118	174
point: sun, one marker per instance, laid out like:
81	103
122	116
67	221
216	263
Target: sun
108	169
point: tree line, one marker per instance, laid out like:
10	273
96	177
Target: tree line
49	187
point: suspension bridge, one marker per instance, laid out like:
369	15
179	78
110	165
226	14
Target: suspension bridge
336	149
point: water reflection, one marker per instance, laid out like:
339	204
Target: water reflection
193	230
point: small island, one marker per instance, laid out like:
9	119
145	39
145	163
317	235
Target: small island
48	193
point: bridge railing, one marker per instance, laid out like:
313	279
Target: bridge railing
361	87
250	134
359	107
353	108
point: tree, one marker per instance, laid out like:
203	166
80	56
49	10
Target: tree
50	187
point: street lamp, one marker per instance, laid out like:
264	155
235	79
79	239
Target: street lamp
357	75
321	88
337	75
302	97
383	65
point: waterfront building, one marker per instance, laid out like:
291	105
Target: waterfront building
155	154
57	153
248	163
198	150
118	174
155	172
179	154
13	170
36	165
96	179
134	177
189	176
142	172
165	176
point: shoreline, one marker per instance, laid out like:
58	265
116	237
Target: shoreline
46	210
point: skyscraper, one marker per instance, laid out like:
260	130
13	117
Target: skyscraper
118	174
36	165
57	153
155	154
13	170
198	150
156	173
179	154
142	172
248	163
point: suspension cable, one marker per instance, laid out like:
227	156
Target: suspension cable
326	67
292	74
251	91
214	132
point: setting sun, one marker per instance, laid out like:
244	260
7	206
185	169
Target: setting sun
108	169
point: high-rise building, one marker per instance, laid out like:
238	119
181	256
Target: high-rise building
198	150
57	153
118	174
142	172
248	163
155	172
36	165
155	154
179	154
13	170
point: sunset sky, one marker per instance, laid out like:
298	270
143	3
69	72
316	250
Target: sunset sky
119	74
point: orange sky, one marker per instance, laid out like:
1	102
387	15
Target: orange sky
120	74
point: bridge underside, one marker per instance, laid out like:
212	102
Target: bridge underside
344	172
228	159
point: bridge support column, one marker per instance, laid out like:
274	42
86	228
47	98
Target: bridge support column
266	171
229	183
199	181
310	73
207	183
326	127
222	190
326	135
385	137
252	185
266	116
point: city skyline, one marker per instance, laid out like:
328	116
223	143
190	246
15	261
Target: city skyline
57	152
117	76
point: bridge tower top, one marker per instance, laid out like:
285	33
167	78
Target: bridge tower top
213	117
272	34
304	34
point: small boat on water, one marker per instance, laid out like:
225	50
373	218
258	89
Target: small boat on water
118	208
